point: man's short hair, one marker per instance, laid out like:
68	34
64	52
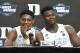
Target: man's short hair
28	12
46	9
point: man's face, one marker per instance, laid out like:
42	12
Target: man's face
49	17
26	21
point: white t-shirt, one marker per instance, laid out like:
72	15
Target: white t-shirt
20	41
78	33
58	39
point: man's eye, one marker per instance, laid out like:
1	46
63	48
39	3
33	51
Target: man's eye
47	15
23	19
29	20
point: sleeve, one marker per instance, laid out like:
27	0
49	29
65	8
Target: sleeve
78	33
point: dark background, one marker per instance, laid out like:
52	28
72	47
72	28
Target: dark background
73	18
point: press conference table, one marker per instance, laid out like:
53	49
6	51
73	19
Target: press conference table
39	50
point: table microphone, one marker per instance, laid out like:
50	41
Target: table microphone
31	38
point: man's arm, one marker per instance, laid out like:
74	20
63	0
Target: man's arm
39	36
11	36
75	40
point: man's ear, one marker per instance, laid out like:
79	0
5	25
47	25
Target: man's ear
34	21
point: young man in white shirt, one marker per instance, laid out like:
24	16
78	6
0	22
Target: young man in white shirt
55	34
19	36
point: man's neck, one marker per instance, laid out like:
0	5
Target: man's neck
52	28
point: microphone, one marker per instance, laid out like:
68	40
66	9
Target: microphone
31	38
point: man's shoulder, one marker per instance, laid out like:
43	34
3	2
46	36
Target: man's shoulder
13	29
68	26
43	29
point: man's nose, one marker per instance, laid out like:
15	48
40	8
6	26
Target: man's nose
26	21
52	17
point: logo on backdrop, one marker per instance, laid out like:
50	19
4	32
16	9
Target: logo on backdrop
61	9
8	8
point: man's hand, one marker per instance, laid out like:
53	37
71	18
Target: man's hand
24	30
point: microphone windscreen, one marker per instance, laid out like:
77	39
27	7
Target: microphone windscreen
30	34
31	38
